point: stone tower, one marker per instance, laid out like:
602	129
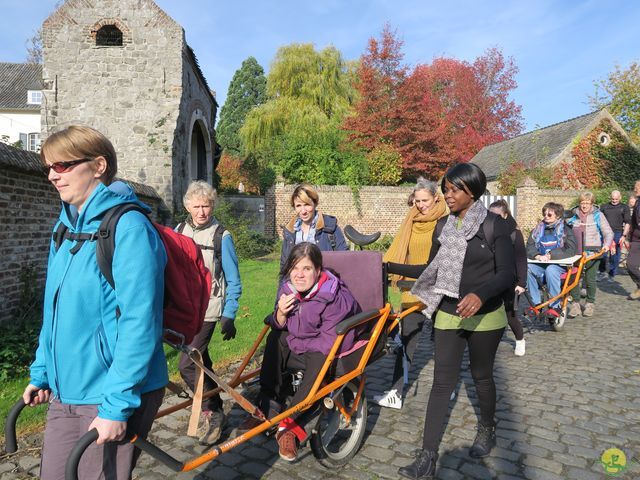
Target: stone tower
124	68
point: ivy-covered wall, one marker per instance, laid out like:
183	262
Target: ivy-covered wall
598	162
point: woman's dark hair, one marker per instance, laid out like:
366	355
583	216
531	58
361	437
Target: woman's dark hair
556	208
468	177
502	205
298	252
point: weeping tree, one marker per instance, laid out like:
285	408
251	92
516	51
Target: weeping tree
297	130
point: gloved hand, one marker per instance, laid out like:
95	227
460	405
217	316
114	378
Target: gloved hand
227	328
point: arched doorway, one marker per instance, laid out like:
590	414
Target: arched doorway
199	155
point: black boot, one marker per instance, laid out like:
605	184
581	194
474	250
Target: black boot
484	442
424	467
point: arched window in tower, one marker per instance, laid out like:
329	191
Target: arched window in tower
109	36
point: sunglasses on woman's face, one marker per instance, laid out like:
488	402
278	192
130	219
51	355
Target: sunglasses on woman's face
550	214
63	167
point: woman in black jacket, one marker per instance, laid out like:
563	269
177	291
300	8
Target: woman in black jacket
501	207
471	264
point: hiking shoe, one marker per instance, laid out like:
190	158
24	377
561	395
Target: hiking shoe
250	423
210	429
602	276
424	466
389	399
588	309
288	443
575	310
520	347
635	295
484	442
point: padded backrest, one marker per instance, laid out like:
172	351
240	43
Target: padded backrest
362	272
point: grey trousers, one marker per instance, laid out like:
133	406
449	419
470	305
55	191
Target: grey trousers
111	461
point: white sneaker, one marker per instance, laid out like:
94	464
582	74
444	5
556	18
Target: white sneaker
389	399
519	351
602	276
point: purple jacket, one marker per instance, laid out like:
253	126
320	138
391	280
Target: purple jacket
312	321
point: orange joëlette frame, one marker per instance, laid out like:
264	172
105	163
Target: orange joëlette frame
384	319
570	281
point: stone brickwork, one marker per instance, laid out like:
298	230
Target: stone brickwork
383	208
379	208
531	199
148	96
29	207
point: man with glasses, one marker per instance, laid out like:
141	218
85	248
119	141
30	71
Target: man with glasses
551	239
617	214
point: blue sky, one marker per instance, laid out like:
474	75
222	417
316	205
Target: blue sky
561	47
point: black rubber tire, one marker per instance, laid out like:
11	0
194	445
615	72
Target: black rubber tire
558	323
338	450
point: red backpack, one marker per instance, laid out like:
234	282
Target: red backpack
187	282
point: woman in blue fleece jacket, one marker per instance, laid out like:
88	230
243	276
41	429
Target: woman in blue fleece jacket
96	368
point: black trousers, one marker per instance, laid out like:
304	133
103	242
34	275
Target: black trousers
412	325
188	369
278	359
633	262
449	351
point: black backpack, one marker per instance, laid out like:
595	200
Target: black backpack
487	229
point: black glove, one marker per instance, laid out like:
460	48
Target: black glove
227	328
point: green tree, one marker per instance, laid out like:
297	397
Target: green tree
247	90
620	92
297	131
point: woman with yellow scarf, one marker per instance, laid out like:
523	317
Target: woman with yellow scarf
411	246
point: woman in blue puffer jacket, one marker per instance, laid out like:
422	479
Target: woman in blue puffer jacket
97	368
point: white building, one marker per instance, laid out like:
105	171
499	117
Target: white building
20	100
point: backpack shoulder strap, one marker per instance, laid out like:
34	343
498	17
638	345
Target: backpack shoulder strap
217	249
180	227
106	245
489	230
59	235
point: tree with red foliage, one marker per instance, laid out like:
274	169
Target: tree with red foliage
438	114
450	109
378	78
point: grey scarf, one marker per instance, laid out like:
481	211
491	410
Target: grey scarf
442	276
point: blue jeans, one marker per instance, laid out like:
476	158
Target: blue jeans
549	274
612	259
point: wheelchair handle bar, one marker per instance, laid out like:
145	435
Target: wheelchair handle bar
358	238
11	444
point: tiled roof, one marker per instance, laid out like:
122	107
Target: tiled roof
535	148
15	80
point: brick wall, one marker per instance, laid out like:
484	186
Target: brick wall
379	208
383	208
29	207
531	199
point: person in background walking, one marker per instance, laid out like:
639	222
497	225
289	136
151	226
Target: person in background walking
632	242
592	232
462	288
412	245
619	218
309	225
221	260
501	207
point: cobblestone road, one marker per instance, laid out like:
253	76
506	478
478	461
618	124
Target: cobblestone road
574	395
